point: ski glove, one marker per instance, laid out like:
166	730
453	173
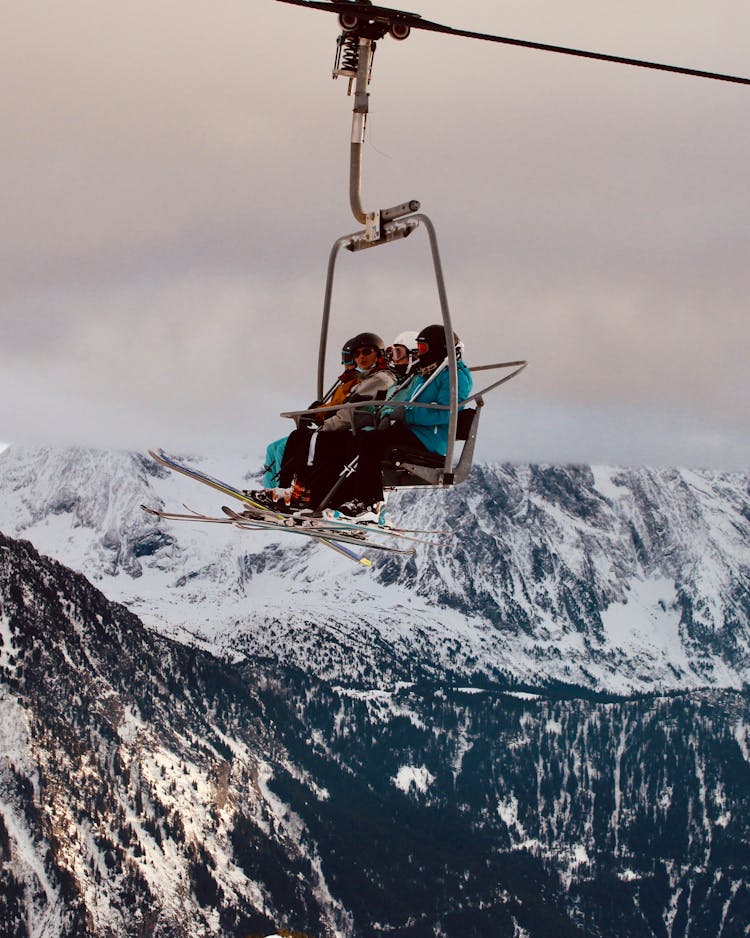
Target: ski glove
390	416
363	420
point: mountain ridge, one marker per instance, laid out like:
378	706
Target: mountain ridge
620	580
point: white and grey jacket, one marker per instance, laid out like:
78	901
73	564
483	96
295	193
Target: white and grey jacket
370	387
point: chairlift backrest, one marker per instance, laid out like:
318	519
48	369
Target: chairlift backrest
404	468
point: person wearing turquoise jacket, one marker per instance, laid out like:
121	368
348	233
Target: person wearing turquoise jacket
430	384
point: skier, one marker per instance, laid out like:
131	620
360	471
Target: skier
403	354
313	458
368	353
341	390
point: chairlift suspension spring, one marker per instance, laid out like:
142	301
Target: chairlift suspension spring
347	55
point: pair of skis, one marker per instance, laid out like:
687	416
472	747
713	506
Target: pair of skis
340	535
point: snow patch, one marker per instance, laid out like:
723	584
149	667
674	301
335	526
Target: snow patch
742	735
412	776
6	644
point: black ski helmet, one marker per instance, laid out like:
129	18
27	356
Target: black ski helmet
362	340
431	345
432	340
347	353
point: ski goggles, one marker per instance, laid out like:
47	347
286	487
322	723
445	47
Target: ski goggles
348	355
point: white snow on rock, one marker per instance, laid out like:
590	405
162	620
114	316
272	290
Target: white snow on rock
45	911
417	777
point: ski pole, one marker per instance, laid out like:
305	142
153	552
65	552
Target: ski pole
348	470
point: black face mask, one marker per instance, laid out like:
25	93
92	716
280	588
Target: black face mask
432	357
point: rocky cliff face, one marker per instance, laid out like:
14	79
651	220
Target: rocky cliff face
618	580
147	788
133	776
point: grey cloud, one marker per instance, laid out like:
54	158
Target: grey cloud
173	178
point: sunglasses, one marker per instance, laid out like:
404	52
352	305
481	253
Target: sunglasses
365	350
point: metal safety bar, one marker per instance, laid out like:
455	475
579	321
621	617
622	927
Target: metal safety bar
518	367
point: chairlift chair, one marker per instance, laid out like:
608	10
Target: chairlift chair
385	226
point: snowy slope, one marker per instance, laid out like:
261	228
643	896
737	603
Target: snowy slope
616	579
134	778
147	788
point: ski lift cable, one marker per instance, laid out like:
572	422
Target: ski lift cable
582	53
415	21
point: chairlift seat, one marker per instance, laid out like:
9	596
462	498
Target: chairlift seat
406	467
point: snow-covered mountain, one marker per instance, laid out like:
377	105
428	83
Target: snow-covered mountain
613	579
134	774
149	789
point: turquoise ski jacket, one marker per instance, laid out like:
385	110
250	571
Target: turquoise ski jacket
431	426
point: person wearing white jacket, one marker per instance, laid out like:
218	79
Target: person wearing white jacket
313	459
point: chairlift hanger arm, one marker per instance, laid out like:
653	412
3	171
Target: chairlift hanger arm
385	15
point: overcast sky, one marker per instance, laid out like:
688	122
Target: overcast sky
173	175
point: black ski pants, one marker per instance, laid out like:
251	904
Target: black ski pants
337	449
371	447
333	450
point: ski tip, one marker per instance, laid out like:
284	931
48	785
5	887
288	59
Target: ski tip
365	561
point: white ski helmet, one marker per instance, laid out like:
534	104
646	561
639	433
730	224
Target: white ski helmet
408	340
